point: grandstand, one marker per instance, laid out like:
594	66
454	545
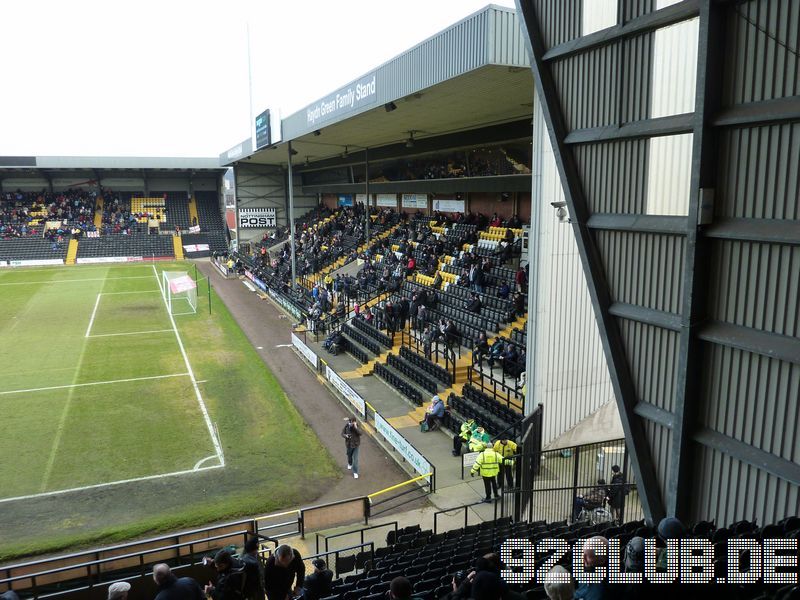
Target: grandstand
644	321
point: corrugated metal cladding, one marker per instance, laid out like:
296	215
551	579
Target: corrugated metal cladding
614	175
506	43
458	49
732	491
571	375
768	424
588	88
644	269
756	285
559	20
750	186
763	38
655	384
742	400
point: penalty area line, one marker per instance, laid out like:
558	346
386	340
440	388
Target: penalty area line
111	483
99	335
74	385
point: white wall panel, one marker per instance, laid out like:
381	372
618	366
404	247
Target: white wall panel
674	69
669	173
597	15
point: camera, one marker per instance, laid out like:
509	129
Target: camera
459	577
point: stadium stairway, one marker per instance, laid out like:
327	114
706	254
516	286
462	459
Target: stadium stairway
193	218
98	213
177	244
72	252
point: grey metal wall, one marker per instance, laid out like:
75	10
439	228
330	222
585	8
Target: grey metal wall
676	135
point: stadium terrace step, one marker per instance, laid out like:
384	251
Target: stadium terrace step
177	244
72	252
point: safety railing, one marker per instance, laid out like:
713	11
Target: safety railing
511	395
360	532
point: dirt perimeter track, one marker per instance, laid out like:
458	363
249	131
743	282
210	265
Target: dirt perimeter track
269	330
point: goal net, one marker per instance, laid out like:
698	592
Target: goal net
180	292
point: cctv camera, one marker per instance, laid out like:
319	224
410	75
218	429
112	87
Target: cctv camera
561	213
560	204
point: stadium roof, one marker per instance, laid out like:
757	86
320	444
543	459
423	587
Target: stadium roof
445	84
118	163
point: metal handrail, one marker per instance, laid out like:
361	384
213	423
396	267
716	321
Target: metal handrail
360	531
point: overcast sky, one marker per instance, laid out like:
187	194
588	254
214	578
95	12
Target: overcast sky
170	78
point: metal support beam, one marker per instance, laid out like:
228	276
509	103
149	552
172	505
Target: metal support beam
766	112
591	260
671	125
290	197
756	341
670	15
638	223
653	413
366	192
696	259
764	461
768	231
649	316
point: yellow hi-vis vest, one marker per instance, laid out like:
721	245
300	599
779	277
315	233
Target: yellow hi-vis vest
487	463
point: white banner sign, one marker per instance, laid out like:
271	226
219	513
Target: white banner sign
415	201
362	198
196	247
402	445
305	350
386	200
109	259
448	205
348	392
256	218
32	263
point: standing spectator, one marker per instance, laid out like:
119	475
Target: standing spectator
119	590
230	578
617	490
506	448
352	441
519	304
520	280
427	340
318	584
173	588
284	573
487	464
254	571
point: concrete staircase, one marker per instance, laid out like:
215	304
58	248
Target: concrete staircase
98	213
72	252
177	245
193	218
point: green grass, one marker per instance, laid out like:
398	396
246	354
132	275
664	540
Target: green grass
90	435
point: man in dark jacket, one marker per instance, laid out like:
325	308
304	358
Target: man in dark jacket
318	584
254	571
230	578
474	304
283	569
617	491
173	588
352	441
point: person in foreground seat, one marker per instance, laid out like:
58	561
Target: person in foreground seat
174	588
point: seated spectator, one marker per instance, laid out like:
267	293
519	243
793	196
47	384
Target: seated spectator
558	590
434	414
504	290
478	440
464	435
595	554
496	351
520	306
174	588
474	304
318	584
480	348
594	498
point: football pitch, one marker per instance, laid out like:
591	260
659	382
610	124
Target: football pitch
93	371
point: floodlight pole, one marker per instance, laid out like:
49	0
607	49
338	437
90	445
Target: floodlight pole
366	192
290	186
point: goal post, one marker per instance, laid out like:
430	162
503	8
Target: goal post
180	292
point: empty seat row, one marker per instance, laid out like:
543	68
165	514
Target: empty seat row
439	373
360	338
372	332
399	384
489	403
412	373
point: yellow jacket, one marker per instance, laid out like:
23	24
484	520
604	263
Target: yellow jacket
487	463
510	449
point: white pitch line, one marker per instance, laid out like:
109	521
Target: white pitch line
203	409
134	292
73	280
202	460
99	335
74	385
109	484
94	312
